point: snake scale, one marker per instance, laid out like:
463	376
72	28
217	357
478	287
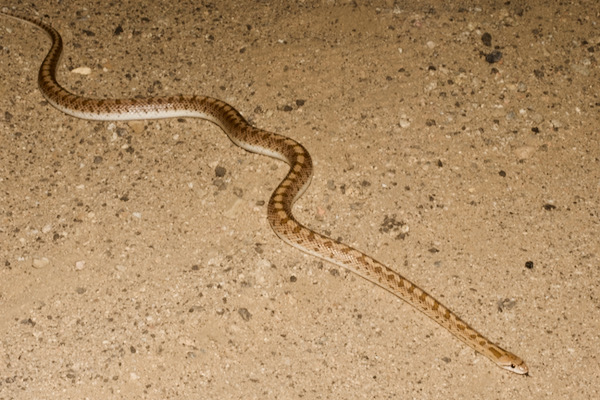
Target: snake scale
279	209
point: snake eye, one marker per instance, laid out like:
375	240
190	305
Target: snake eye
513	366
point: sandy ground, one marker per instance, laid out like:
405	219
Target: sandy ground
136	261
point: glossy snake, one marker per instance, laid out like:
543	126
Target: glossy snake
279	210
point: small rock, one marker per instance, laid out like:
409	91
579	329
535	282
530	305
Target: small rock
494	57
404	122
245	314
220	171
486	39
506	304
41	262
79	265
82	70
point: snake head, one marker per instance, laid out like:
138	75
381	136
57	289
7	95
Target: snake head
514	364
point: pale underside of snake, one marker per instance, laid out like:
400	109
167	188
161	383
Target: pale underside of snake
279	210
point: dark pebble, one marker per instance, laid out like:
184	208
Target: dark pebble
220	171
486	38
529	265
494	57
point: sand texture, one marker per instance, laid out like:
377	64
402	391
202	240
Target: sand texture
455	141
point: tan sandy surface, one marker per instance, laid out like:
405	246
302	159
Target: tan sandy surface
136	261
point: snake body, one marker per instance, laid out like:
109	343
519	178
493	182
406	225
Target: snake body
279	210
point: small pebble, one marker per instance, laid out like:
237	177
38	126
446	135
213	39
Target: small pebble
220	171
40	262
486	39
79	265
404	122
82	70
245	314
556	124
494	57
506	304
529	264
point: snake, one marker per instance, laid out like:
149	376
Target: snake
279	208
